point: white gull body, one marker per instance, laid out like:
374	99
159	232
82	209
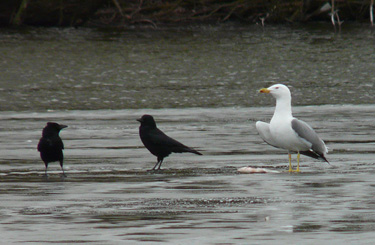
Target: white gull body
287	132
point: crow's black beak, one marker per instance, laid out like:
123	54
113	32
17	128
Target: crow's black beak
139	120
63	126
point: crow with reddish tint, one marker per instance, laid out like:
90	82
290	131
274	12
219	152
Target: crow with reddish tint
158	143
51	146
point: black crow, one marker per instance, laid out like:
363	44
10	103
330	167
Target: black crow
158	143
51	146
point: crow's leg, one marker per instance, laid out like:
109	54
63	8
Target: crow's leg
161	161
45	171
62	168
156	165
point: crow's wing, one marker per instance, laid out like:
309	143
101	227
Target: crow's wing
48	143
159	138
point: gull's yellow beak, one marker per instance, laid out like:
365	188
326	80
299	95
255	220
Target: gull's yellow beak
264	90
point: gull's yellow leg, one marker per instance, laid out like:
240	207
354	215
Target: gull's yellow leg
290	162
298	155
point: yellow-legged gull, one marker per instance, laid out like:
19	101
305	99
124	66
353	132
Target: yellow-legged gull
287	132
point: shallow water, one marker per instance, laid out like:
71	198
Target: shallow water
110	197
87	69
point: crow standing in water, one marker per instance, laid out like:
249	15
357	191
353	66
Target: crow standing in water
158	143
51	146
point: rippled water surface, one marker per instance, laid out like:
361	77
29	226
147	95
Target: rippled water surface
200	84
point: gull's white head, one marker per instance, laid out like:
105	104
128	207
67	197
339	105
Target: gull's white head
277	91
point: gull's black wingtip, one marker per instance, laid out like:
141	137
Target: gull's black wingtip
325	159
315	155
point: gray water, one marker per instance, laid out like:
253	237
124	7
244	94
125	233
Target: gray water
200	84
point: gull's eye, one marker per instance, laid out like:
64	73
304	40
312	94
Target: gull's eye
277	88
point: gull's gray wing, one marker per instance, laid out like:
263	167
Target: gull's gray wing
305	132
